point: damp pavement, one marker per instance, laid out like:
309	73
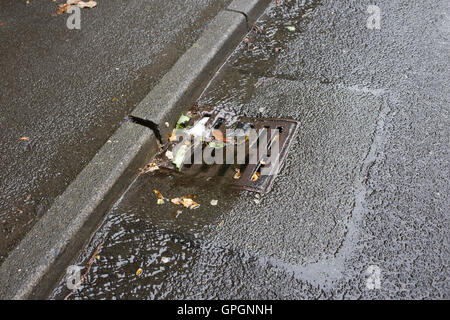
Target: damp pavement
360	208
67	91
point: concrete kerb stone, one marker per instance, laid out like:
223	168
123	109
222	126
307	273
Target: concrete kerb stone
252	9
181	86
75	212
34	266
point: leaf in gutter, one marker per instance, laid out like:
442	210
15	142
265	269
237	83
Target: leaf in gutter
179	157
182	122
237	174
216	144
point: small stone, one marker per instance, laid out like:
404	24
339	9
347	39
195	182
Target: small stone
165	259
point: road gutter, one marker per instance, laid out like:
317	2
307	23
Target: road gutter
38	262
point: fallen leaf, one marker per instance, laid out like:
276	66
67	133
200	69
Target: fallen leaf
290	28
27	198
177	212
218	135
114	99
221	223
80	4
97	257
172	137
89	4
186	201
19	211
139	272
237	175
160	201
1	23
150	167
255	176
216	144
25	139
158	194
182	122
214	202
62	8
256	28
180	155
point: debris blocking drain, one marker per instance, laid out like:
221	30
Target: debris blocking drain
210	142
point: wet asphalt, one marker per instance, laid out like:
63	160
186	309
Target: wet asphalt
363	194
68	90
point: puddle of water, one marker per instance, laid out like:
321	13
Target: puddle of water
139	233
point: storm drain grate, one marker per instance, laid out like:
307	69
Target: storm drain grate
249	152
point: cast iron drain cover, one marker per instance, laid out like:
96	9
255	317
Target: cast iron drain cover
247	151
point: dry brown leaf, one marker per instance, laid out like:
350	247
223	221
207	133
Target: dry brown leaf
193	205
150	167
186	201
255	176
159	195
218	135
177	212
24	139
237	175
172	137
89	4
139	272
62	8
27	198
80	4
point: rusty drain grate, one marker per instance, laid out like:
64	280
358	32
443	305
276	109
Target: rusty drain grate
251	162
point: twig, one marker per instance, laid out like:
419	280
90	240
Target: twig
88	267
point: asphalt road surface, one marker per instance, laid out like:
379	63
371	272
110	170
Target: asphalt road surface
360	209
68	90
